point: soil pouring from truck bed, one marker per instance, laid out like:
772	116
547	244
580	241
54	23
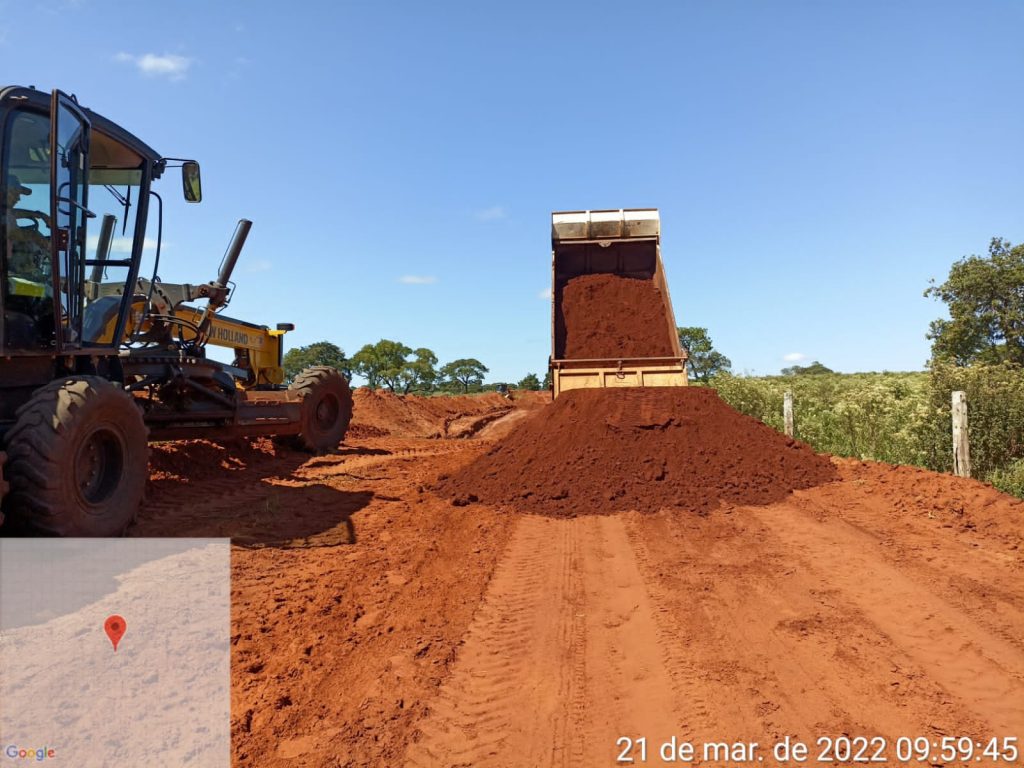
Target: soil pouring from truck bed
599	451
611	317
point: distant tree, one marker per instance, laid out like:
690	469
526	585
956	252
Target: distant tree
420	373
396	366
297	359
985	298
529	381
704	360
466	371
814	369
382	363
546	384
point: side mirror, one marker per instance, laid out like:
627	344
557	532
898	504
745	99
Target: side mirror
190	182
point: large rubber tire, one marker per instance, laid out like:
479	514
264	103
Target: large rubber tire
326	408
78	459
4	487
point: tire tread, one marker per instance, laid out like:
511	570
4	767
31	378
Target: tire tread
36	445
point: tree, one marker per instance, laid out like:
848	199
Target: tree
704	360
814	369
381	363
396	366
546	384
985	298
530	382
465	371
297	359
421	371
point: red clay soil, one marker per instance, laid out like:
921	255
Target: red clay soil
599	451
377	413
202	459
611	317
962	504
376	624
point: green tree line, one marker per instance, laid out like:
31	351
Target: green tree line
399	368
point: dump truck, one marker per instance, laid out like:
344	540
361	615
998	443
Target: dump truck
97	358
625	243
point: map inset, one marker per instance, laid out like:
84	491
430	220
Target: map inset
69	697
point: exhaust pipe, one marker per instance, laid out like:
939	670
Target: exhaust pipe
106	239
227	264
217	295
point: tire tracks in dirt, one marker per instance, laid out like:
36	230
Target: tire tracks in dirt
561	659
781	623
979	668
750	624
286	498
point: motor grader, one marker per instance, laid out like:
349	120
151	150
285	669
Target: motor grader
96	358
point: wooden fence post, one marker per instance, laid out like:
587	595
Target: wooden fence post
961	445
787	413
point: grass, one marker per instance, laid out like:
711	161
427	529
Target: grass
900	418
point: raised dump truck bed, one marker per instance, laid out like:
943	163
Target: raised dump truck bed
611	332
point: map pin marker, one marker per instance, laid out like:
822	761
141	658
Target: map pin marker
115	626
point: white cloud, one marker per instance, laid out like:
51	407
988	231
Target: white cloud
169	65
493	213
545	294
794	357
417	279
258	265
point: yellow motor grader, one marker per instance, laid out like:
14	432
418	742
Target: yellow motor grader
96	359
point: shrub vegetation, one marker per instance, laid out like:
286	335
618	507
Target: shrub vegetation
901	418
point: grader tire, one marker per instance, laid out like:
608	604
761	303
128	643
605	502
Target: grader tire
4	486
326	408
78	459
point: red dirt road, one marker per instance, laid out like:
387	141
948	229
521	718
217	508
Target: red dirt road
377	624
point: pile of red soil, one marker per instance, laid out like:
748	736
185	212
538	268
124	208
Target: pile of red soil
606	316
377	413
961	503
599	451
203	459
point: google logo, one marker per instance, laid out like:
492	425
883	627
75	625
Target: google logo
23	753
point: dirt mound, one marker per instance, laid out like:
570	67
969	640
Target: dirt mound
203	459
377	413
530	399
963	504
606	316
599	451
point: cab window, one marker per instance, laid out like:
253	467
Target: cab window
115	177
27	264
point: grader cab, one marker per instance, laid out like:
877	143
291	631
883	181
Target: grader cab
96	358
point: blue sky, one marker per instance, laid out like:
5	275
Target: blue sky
815	163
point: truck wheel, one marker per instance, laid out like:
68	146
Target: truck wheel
78	459
326	408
